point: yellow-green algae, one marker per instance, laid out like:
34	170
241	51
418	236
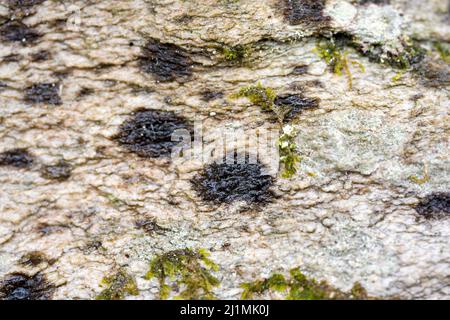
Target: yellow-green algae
189	269
118	286
300	287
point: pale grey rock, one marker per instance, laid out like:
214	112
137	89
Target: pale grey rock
347	216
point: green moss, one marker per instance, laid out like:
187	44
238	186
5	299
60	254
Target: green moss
288	150
189	269
118	286
276	282
334	56
237	53
259	95
300	287
411	55
443	51
264	97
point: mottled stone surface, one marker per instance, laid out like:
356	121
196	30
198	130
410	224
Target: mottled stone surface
371	153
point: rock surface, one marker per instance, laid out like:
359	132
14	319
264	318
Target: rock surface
72	73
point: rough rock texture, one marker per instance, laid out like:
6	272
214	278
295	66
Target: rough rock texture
370	154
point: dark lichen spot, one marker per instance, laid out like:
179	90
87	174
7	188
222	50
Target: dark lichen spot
47	229
18	158
305	12
189	269
118	286
295	104
148	133
165	61
432	74
92	246
60	171
19	286
40	56
210	95
18	4
85	92
16	31
435	206
300	70
43	93
150	226
12	58
379	2
226	183
33	259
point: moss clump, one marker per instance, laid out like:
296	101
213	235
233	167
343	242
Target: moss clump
276	282
266	98
331	51
189	269
118	286
410	56
443	51
259	95
300	287
237	53
288	150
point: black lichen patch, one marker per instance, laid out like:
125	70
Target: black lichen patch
16	31
41	55
19	4
17	158
33	259
165	61
85	92
379	2
432	74
148	133
226	183
43	93
306	12
19	286
435	206
45	229
295	103
150	226
60	171
210	95
12	58
300	70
